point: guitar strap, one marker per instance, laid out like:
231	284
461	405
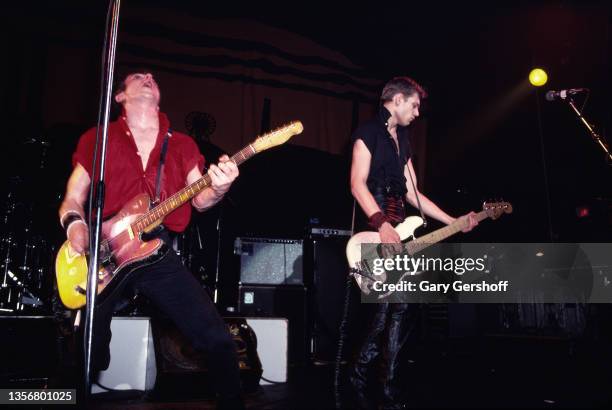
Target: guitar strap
160	167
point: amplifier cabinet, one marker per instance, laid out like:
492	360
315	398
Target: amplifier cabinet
265	261
132	365
280	302
272	345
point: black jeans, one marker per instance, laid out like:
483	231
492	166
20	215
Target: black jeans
176	293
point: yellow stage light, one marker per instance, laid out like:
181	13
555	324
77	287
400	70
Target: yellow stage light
538	77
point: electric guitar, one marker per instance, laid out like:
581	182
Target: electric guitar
123	249
361	267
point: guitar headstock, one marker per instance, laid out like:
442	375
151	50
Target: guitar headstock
496	209
277	137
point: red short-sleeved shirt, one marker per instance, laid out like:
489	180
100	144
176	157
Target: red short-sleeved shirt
124	176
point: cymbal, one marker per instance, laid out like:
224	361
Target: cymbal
37	141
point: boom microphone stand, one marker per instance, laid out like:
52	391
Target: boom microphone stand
596	137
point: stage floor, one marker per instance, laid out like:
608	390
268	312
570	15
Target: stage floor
491	373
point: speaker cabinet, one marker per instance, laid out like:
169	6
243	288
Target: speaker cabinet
132	365
265	261
280	302
327	262
272	347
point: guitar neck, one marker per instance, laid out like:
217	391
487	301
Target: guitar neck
438	235
160	211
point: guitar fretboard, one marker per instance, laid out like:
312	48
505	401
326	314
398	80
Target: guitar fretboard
438	235
179	198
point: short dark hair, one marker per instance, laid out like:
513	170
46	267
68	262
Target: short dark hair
402	85
119	85
122	74
119	82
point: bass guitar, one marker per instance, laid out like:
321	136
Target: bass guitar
361	266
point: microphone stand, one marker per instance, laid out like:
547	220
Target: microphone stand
596	137
98	203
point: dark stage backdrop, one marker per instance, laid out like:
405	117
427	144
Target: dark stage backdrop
245	75
488	133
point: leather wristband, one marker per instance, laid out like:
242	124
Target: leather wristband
377	219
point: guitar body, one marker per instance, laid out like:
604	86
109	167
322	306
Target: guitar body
361	264
123	248
122	252
405	230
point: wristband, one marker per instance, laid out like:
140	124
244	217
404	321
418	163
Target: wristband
68	218
377	219
72	223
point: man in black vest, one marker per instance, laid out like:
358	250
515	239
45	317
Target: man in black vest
382	180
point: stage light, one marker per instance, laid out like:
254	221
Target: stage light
583	211
538	77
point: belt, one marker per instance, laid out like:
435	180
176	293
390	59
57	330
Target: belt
387	191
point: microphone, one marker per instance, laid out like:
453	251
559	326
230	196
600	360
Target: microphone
562	94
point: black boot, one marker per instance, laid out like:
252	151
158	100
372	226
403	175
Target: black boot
370	349
402	320
358	380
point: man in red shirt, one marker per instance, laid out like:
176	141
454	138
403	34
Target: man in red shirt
134	150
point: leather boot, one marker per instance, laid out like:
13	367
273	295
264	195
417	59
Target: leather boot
402	320
370	349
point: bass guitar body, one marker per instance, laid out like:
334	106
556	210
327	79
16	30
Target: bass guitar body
360	262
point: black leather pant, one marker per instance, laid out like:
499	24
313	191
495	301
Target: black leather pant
391	325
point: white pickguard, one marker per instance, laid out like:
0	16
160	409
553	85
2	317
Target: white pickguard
405	230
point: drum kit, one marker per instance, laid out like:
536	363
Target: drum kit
26	257
24	262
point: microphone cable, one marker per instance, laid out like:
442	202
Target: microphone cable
342	331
